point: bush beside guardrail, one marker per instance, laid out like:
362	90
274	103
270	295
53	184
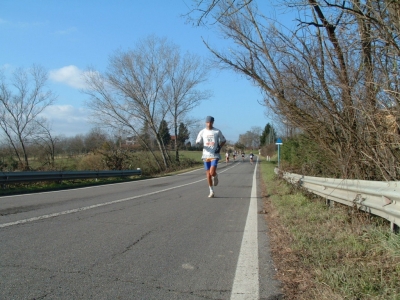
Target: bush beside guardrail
16	177
381	198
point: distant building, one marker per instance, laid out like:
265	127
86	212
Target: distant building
130	140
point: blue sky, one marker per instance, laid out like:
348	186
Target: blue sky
68	36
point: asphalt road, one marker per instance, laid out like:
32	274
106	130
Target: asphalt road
152	239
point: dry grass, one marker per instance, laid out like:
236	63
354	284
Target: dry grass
328	253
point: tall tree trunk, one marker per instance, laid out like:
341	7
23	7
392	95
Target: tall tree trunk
176	141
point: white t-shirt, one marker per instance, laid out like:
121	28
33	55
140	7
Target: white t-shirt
210	140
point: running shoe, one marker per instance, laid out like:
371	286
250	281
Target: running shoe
211	195
215	180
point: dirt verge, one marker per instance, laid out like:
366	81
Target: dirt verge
295	279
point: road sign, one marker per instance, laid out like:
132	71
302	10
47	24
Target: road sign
279	143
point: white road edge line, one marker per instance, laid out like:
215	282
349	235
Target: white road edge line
71	211
245	283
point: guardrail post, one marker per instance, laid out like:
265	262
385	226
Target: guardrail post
330	203
394	227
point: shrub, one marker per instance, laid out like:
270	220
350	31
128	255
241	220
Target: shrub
300	154
91	162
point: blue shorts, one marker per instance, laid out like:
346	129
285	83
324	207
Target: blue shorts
209	164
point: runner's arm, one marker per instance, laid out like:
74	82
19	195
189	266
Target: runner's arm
199	139
222	140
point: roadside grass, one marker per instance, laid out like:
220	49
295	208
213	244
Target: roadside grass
193	155
323	252
61	163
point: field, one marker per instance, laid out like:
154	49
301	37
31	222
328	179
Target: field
195	155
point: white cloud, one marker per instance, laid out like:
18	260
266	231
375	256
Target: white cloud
66	31
6	67
69	75
67	111
67	119
22	25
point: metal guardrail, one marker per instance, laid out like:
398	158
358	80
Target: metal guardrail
381	198
15	177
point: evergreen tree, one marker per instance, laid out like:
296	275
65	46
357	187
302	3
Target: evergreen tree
163	132
144	138
183	135
268	135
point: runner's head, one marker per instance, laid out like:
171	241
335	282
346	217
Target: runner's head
209	122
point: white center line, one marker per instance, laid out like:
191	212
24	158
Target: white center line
71	211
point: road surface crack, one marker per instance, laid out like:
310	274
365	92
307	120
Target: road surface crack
129	247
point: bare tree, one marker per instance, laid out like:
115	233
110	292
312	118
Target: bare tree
203	8
251	139
144	86
335	76
47	144
184	75
75	145
95	139
129	94
21	102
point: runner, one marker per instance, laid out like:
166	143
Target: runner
213	140
251	157
227	157
234	155
242	156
